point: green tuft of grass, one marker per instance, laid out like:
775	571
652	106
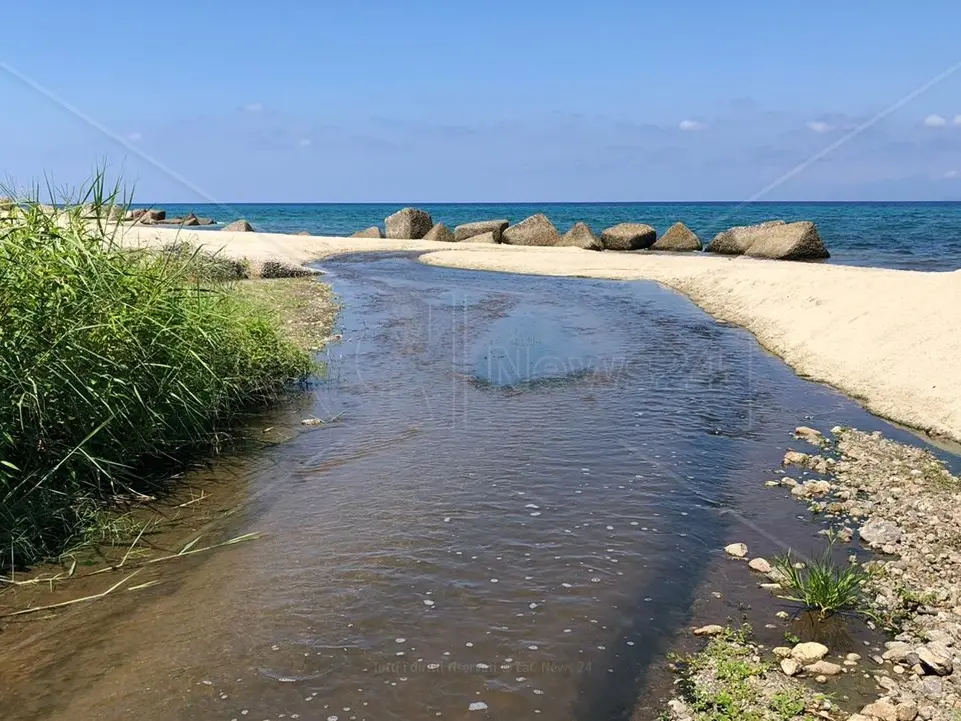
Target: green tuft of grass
114	363
822	585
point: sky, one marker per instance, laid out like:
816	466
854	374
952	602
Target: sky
448	101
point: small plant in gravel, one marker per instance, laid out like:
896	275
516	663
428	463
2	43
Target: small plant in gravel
822	585
729	681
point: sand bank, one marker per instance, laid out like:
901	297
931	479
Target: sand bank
889	338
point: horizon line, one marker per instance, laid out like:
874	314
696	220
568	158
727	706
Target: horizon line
547	202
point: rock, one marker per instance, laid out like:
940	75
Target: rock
171	221
408	224
791	241
821	679
190	219
823	668
896	651
859	717
738	550
239	226
483	238
760	565
371	232
535	230
781	651
206	221
581	236
790	667
7	203
470	230
440	232
678	238
853	657
155	215
932	687
808	653
711	630
736	240
808	434
134	214
629	236
306	232
906	711
795	458
882	709
878	532
935	658
809	489
773	239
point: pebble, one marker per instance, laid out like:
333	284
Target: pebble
737	550
710	630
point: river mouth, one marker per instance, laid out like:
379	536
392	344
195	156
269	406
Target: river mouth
520	509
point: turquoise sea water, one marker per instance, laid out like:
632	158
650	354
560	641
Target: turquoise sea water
912	236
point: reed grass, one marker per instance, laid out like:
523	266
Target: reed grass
822	585
114	363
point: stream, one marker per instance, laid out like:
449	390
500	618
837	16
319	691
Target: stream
521	506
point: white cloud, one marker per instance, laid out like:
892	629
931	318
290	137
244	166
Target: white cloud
691	125
134	137
935	121
253	107
957	119
952	174
304	142
819	126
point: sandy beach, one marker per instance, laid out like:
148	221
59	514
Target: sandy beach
888	338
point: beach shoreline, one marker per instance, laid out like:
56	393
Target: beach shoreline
856	329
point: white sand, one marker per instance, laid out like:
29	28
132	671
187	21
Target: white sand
889	338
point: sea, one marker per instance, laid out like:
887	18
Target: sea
923	236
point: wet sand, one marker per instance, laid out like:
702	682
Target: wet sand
888	338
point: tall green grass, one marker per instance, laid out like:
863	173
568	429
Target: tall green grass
822	585
113	362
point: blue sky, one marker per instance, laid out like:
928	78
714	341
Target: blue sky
436	100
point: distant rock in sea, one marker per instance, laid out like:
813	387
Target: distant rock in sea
239	225
774	239
408	224
535	230
678	238
581	236
629	236
469	230
371	232
440	232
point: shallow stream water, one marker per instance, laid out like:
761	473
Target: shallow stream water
521	505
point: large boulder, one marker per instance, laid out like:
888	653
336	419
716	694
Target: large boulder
440	232
239	225
629	236
484	238
155	215
408	224
469	230
536	230
581	236
773	239
190	219
371	232
206	221
678	238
